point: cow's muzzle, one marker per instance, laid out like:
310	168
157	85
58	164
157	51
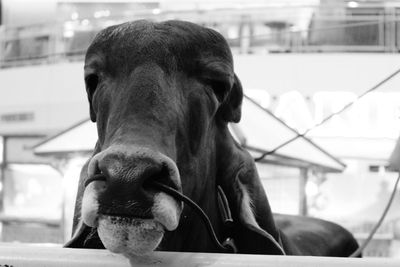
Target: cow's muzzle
119	200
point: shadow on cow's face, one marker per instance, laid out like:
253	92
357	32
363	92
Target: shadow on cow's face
158	93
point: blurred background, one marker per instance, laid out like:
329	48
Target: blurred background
299	61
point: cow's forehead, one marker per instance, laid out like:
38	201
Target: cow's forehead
170	44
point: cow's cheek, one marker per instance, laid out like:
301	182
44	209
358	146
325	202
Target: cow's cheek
90	205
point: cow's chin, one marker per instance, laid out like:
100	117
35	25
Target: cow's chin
130	237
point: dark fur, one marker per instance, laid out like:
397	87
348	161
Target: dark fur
171	86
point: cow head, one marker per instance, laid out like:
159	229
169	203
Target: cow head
162	95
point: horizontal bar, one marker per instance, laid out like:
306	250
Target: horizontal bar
38	256
24	220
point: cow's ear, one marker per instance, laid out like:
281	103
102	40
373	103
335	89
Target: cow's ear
231	108
254	228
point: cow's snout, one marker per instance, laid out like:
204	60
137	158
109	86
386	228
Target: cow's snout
124	201
128	181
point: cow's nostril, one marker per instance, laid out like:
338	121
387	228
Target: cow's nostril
163	176
96	177
129	176
159	176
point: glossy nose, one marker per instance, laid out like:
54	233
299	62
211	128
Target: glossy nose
128	175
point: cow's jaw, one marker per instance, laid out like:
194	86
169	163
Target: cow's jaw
130	236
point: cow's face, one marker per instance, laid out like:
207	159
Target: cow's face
158	93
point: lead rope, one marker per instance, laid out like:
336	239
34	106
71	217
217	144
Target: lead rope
378	224
228	246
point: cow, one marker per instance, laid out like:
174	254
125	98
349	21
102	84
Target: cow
162	95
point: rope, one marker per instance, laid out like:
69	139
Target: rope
226	248
196	208
358	252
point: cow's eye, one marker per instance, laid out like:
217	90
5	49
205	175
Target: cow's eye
220	88
91	81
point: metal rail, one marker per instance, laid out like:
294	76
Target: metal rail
248	30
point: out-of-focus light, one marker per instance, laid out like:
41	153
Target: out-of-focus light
30	168
20	199
382	171
1	186
352	4
34	188
74	16
85	22
156	11
311	189
69	25
101	13
232	33
69	34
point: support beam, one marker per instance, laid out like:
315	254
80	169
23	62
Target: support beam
1	12
303	205
3	166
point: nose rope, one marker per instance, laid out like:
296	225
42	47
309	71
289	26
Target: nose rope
227	246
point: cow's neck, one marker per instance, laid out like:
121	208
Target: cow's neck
238	162
192	235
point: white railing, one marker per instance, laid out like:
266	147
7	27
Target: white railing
49	256
248	30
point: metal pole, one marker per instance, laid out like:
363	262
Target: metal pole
303	210
1	12
3	165
2	179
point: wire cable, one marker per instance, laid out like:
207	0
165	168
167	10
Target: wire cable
344	108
